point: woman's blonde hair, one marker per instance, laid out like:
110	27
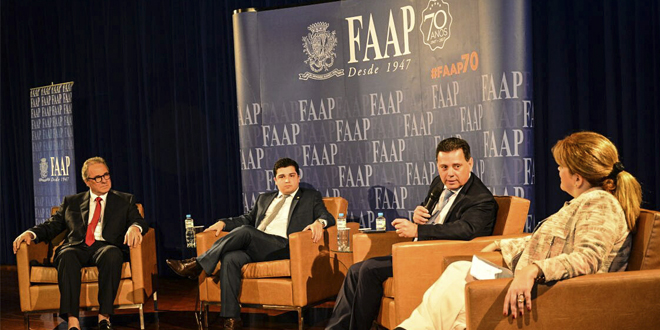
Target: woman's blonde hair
596	159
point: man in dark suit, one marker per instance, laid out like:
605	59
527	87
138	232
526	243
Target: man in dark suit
465	209
102	224
259	235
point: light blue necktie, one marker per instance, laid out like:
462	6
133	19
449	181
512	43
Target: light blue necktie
447	195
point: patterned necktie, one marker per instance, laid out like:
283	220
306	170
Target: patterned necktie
273	214
439	207
89	239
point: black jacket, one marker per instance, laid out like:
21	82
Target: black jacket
471	215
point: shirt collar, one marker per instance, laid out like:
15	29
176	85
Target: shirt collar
456	191
279	193
590	190
92	196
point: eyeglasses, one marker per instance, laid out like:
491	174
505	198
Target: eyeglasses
100	178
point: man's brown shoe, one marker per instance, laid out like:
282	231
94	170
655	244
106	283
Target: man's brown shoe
187	268
233	324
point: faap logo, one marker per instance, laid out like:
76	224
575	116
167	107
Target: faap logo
43	168
319	46
436	24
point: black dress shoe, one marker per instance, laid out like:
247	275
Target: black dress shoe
105	325
186	268
233	324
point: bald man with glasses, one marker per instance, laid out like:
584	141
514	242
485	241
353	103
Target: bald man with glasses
102	225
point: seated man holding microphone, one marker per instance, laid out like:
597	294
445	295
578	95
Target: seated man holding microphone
458	207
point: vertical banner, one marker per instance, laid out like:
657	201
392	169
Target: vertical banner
52	147
359	93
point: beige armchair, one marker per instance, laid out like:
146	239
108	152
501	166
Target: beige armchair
401	294
313	274
38	289
623	300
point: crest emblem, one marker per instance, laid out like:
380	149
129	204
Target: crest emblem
436	24
43	168
319	46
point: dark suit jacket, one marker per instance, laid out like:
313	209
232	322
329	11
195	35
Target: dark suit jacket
471	215
120	213
306	207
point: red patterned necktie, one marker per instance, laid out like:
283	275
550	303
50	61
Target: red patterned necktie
89	239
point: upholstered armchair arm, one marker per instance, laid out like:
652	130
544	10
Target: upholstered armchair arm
203	242
498	237
624	300
316	273
25	254
494	257
144	266
417	265
369	245
309	283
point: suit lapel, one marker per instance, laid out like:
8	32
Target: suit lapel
294	202
459	198
84	209
109	206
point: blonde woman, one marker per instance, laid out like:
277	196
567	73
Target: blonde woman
590	234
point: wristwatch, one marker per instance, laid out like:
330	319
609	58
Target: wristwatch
323	222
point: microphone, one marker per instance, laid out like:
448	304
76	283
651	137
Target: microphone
433	198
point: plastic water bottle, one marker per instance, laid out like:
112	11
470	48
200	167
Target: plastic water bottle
381	223
341	221
190	232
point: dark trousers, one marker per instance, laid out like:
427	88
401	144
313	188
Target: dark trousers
70	260
359	299
242	245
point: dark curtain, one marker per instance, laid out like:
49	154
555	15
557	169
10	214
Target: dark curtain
597	67
155	95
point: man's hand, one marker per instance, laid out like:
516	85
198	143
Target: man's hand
218	227
26	236
317	230
405	228
133	237
421	215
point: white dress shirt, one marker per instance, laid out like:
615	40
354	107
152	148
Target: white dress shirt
280	224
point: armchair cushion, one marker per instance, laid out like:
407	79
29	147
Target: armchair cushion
267	269
40	274
263	269
388	287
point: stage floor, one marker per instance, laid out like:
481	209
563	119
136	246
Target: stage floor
176	306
